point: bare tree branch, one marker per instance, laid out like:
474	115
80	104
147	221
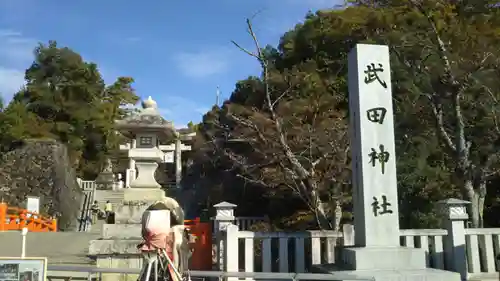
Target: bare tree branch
295	175
462	146
437	110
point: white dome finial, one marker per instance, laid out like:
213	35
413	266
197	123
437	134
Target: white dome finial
149	103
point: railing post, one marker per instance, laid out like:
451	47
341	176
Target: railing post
224	216
119	182
24	232
348	234
3	216
454	217
231	251
130	176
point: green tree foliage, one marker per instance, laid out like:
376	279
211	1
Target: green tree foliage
66	98
445	78
450	68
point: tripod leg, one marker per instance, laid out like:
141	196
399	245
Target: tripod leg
156	269
148	273
145	265
142	273
174	269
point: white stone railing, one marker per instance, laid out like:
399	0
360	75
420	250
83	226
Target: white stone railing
277	251
431	240
243	223
482	249
298	251
471	252
86	185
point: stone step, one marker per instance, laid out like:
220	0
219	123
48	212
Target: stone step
97	227
114	197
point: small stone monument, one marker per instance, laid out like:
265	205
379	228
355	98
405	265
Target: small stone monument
117	247
106	178
377	254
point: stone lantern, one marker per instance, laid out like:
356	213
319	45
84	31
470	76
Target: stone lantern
147	128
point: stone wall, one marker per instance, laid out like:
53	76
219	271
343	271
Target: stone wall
42	168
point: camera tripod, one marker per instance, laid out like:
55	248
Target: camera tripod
159	266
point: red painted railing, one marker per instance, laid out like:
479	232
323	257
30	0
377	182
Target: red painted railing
13	218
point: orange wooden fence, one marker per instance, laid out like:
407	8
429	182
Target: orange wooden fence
13	218
202	246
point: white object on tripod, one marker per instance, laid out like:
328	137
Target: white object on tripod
155	229
157	221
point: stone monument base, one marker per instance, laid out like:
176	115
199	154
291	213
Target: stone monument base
118	250
380	258
117	247
143	194
426	274
385	264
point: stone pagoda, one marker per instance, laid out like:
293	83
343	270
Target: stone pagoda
117	247
141	127
146	129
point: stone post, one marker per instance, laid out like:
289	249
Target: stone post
130	173
224	216
454	216
119	182
231	255
178	161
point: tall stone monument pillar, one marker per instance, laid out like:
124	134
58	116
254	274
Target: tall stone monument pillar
377	254
373	148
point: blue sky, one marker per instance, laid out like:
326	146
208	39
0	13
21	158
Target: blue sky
178	52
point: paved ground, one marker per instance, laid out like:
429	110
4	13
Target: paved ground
61	248
66	248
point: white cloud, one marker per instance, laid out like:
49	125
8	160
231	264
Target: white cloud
16	54
9	33
203	63
15	49
181	110
11	80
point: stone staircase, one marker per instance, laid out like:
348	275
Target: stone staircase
114	197
97	227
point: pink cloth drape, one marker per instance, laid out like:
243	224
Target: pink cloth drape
157	241
156	231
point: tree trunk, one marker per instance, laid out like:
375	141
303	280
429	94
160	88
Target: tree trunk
476	195
320	211
480	196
